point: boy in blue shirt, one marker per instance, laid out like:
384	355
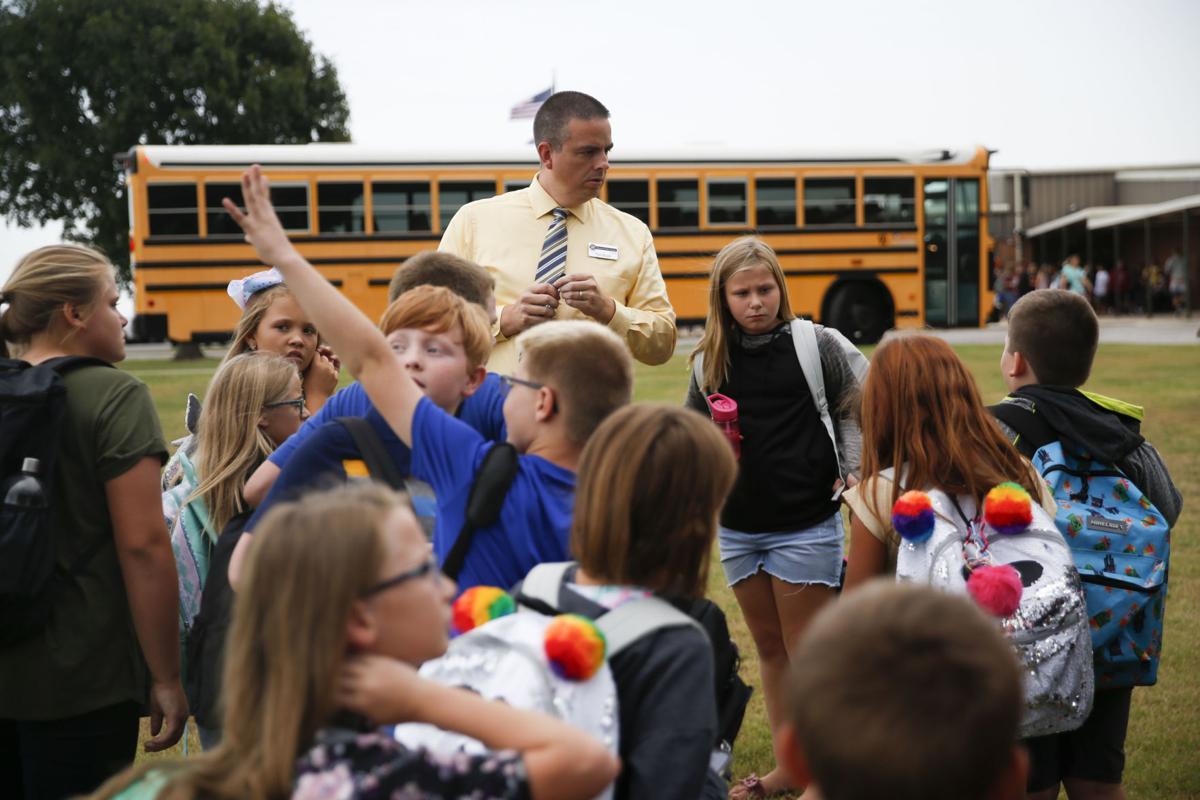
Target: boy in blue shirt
442	348
481	409
571	375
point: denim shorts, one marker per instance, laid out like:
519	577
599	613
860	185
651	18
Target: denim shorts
812	555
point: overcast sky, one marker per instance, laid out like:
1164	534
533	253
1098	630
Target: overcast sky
1047	84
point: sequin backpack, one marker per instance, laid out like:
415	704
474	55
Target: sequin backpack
1013	562
557	665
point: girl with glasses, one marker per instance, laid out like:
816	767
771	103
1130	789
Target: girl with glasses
254	402
309	673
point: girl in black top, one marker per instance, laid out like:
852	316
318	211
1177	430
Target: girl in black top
781	533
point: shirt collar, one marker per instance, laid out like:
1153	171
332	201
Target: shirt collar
543	203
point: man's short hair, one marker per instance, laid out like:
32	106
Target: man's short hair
468	280
550	122
904	692
1057	333
437	309
586	364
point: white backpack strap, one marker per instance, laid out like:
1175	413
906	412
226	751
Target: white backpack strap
543	582
629	622
804	338
698	371
859	364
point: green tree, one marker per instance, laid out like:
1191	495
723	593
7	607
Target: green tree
82	81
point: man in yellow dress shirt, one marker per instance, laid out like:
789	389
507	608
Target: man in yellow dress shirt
611	273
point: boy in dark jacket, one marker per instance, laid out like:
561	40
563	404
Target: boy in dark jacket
1048	354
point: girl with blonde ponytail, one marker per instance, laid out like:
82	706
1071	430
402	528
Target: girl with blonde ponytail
72	692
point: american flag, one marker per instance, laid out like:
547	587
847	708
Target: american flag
526	109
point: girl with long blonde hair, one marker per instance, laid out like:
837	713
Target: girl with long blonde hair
72	690
254	403
781	531
327	633
923	418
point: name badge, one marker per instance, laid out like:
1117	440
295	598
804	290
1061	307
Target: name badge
605	251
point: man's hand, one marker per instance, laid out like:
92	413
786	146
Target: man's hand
537	305
168	713
581	292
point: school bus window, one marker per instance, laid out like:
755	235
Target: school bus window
727	202
512	186
340	208
291	204
889	200
828	201
678	204
401	207
219	222
775	202
453	195
632	197
172	208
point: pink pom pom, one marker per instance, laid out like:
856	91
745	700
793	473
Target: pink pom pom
997	589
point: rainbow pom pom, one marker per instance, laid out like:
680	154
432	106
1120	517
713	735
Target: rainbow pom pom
1008	508
481	604
997	589
574	646
912	516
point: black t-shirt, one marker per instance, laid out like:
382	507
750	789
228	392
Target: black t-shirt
788	465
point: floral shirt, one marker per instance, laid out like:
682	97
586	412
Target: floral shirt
347	765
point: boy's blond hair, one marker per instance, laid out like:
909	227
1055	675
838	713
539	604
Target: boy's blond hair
438	310
586	364
1057	332
904	692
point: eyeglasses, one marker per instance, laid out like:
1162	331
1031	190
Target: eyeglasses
416	572
297	404
510	381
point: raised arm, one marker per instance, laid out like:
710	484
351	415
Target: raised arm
361	347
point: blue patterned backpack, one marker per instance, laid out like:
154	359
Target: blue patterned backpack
1121	545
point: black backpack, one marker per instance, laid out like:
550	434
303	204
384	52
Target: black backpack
732	692
33	403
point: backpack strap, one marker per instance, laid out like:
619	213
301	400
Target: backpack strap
630	621
804	338
1020	414
492	482
378	462
543	583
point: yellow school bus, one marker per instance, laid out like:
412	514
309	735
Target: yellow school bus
868	241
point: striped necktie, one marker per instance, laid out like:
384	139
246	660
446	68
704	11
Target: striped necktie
552	264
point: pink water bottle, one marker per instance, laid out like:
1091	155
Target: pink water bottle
724	412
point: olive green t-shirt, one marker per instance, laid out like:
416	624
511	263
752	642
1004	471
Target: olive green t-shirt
88	655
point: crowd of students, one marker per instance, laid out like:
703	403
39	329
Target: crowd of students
1120	289
337	588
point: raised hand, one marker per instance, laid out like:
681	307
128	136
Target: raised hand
259	222
382	689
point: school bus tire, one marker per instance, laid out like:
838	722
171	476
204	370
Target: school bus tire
861	309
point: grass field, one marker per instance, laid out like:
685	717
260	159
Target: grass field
1163	747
